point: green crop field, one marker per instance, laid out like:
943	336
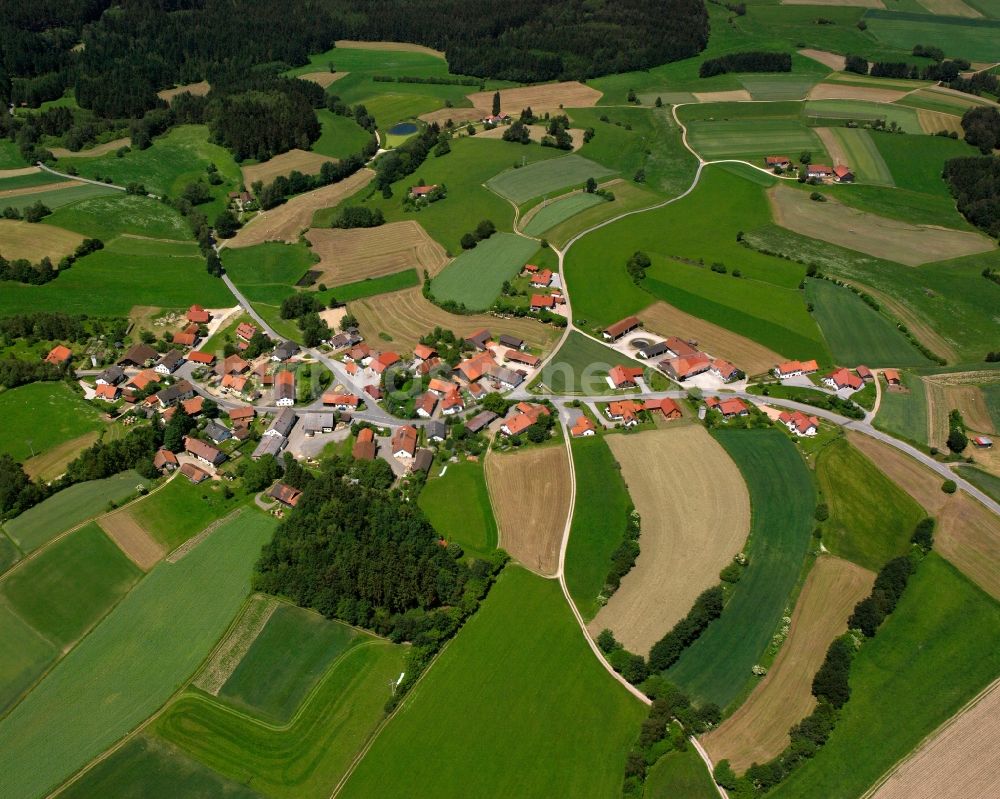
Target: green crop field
841	111
111	215
267	273
716	667
40	416
680	775
916	162
23	656
306	757
174	160
988	483
778	86
67	588
56	198
10	155
110	282
9	554
391	107
932	655
475	278
287	659
752	139
133	661
628	197
581	366
856	332
863	156
991	392
340	136
896	203
29	180
458	505
179	510
371	286
534	180
567	736
871	518
602	504
904	413
150	768
559	211
70	507
974	39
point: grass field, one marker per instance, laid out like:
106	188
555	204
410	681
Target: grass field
339	136
968	536
941	634
871	519
530	492
778	86
695	517
267	273
458	505
58	197
857	333
526	625
975	39
23	657
286	661
680	774
69	507
40	416
628	197
599	514
988	483
148	767
837	112
857	148
534	180
68	587
758	730
111	215
28	180
303	161
179	510
716	667
903	204
559	211
10	156
904	413
370	287
752	139
581	367
132	662
474	278
9	554
916	162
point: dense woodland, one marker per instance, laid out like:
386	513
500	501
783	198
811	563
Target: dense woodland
975	184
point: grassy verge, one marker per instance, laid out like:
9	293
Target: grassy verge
458	505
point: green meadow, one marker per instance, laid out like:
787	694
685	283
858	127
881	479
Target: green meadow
10	155
904	413
680	774
112	215
133	661
716	667
863	155
974	39
339	136
839	112
559	211
554	713
941	614
267	273
581	367
475	277
371	286
28	181
56	198
40	416
602	505
23	657
534	180
780	86
871	518
458	505
179	510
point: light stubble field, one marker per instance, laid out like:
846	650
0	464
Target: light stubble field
551	97
308	163
758	730
695	513
530	494
34	242
137	544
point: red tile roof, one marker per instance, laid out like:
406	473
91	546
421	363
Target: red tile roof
197	356
583	425
842	378
246	412
405	440
891	375
423	352
245	331
194	406
383	361
666	406
522	357
59	354
624	376
542	301
332	398
198	314
107	392
619	329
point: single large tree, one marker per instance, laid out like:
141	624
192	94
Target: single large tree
496	104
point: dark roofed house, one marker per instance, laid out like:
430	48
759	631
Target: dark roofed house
479	339
138	355
619	329
178	392
322	422
653	350
285	494
436	431
282	424
480	421
111	376
217	432
284	351
269	445
422	461
511	342
169	363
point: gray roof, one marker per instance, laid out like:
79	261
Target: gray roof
511	341
480	420
422	461
182	388
217	432
171	360
508	376
436	429
113	375
652	350
319	421
269	445
285	350
283	422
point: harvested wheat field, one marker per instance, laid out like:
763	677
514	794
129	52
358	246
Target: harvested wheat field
406	316
950	8
530	493
915	479
968	535
695	513
234	647
93	152
61	184
880	236
287	221
958	761
826	58
53	462
456	115
24	240
938	407
758	731
549	97
137	544
306	162
936	121
751	357
324	79
350	255
839	91
19	172
199	89
732	96
391	47
961	391
534	131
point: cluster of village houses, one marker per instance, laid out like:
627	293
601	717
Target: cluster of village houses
837	174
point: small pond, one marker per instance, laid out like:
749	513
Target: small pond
403	129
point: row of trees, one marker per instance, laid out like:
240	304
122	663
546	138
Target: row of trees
754	61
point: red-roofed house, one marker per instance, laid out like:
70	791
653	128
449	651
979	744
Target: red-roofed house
982	442
619	329
583	427
285	494
530	268
666	406
144	379
245	331
892	377
843	174
725	371
522	357
439	386
185	339
532	410
452	403
624	376
193	406
59	355
203	452
681	369
383	361
359	353
194	474
165	460
681	348
729	408
107	392
542	301
475	367
865	373
795	368
625	411
426	403
421	191
423	352
798	423
244	414
542	278
203	358
341	402
782	161
819	171
404	442
842	378
516	424
232	365
198	315
365	448
284	389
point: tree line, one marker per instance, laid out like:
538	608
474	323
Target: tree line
754	61
975	185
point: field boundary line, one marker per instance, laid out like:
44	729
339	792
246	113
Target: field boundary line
230	653
486	479
930	736
191	543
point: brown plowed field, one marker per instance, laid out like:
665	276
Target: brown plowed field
827	59
324	79
350	255
880	236
918	325
534	131
551	97
93	152
303	161
16	173
53	462
731	96
695	517
199	89
758	731
456	115
408	315
950	8
397	47
24	240
530	494
935	121
751	357
938	407
287	221
968	535
132	539
958	391
961	760
839	91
